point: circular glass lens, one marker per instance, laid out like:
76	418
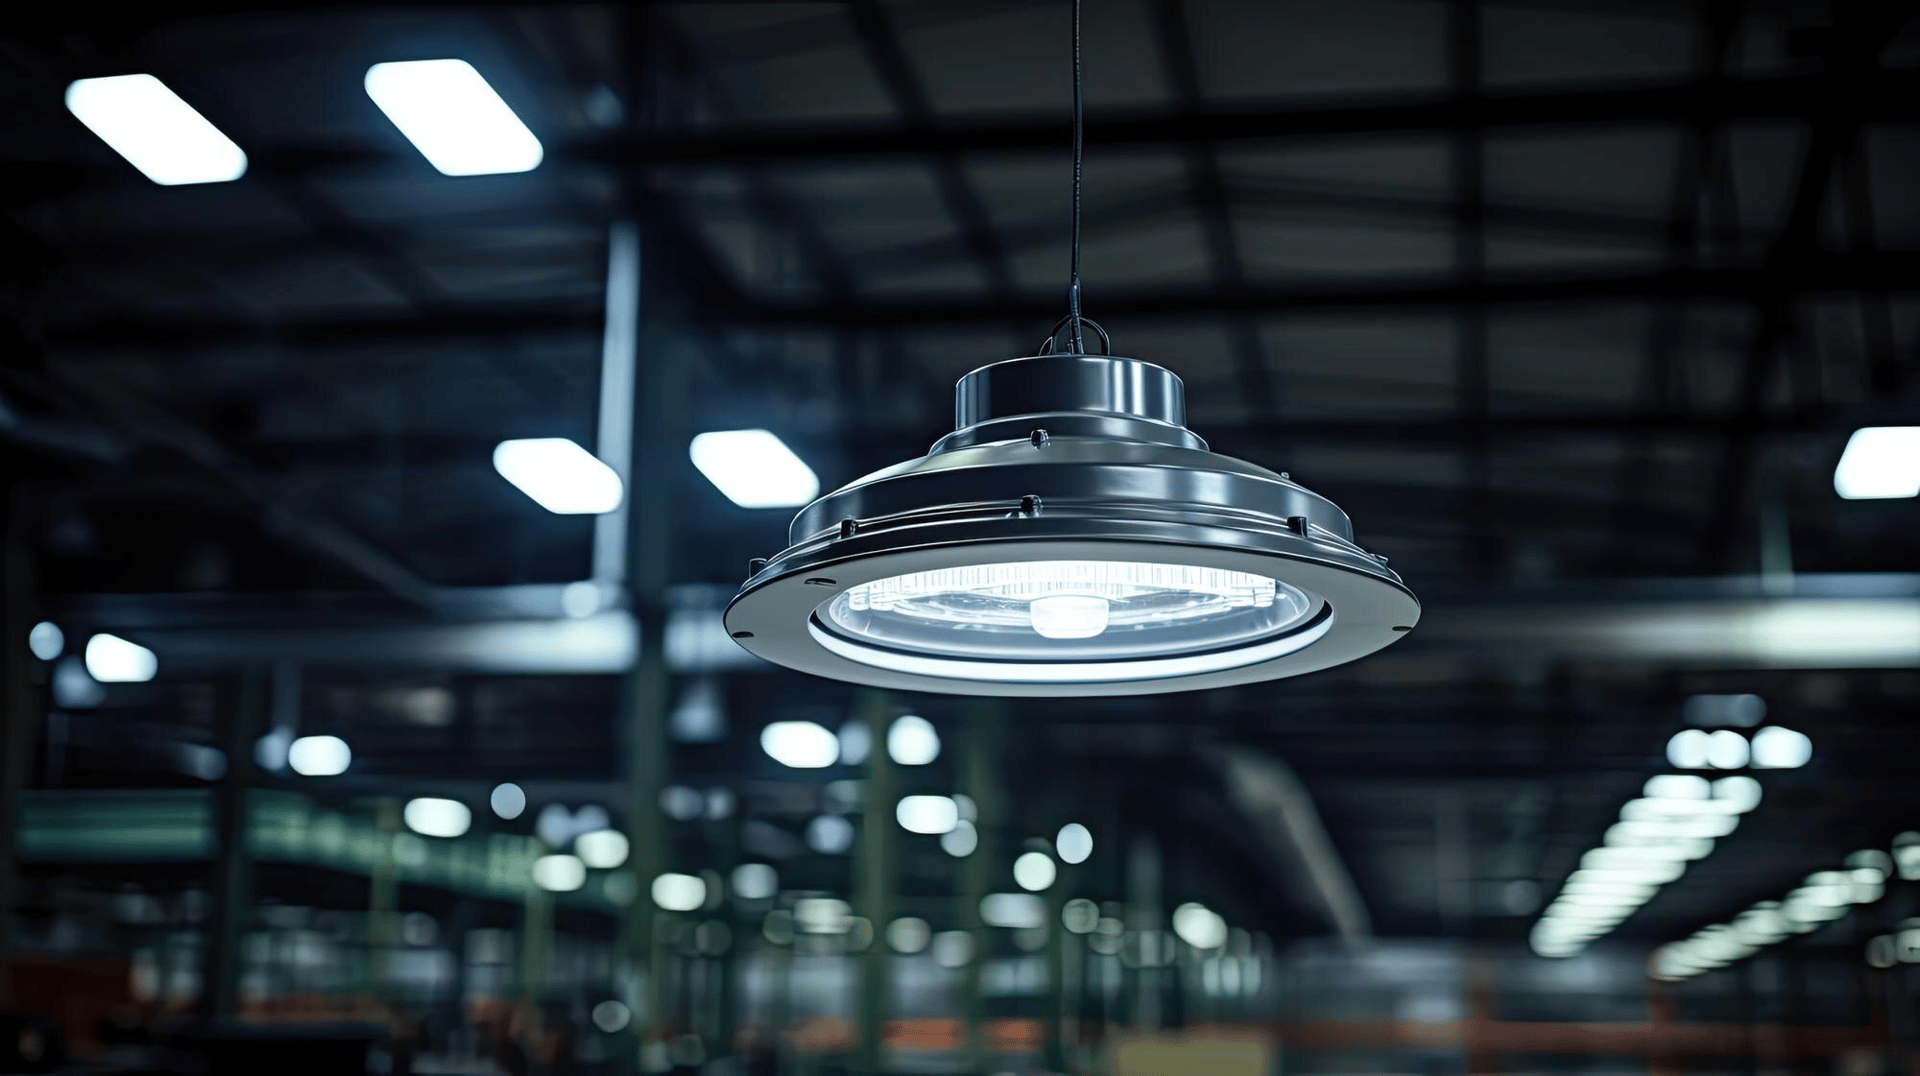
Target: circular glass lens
1068	611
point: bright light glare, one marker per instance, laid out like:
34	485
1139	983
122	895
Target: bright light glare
1199	927
1034	871
603	849
755	881
830	834
611	1016
561	873
1688	749
431	817
46	640
1879	461
1676	786
155	130
113	660
927	814
961	840
1736	794
560	476
754	468
1776	748
319	756
679	892
1726	750
801	745
1013	910
912	742
1068	616
1074	843
508	800
453	117
909	935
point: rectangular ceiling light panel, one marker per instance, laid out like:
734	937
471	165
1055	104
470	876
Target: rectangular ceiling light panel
155	130
754	468
1879	462
453	117
559	475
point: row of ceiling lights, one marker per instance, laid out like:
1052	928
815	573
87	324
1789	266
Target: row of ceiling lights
1826	896
444	107
1676	821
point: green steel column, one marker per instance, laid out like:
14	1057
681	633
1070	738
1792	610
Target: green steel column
233	870
1052	1054
19	712
659	458
978	757
383	900
536	956
875	879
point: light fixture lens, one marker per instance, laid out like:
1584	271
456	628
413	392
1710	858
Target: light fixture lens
912	741
933	815
46	640
1035	610
453	117
1034	871
754	468
155	130
113	660
1074	842
508	800
1069	616
679	892
1779	748
1879	462
560	476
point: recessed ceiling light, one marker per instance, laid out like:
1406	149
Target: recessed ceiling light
453	117
155	130
1071	537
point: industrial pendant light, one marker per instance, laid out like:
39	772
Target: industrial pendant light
1070	537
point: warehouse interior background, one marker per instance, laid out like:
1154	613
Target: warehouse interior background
328	748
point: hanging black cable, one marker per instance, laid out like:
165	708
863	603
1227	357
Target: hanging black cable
1073	277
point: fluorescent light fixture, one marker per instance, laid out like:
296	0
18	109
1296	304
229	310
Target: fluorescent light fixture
453	117
909	935
830	835
1879	462
1676	786
603	849
508	800
433	817
801	745
912	741
47	641
754	468
319	756
1074	842
1689	749
1013	910
1199	926
560	874
679	892
1777	748
155	130
755	881
113	660
560	476
927	814
960	841
1034	871
1727	750
1736	795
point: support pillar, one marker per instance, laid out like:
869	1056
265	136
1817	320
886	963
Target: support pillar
876	869
233	869
978	755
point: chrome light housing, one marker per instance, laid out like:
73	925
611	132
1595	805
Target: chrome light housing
1071	537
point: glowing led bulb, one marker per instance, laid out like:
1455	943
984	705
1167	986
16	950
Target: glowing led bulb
1068	616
